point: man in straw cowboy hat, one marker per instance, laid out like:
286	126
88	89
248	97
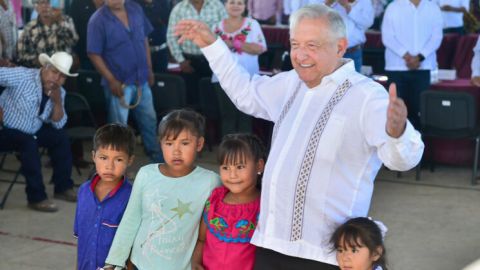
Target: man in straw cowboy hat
33	115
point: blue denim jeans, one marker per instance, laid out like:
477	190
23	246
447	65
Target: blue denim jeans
58	145
144	113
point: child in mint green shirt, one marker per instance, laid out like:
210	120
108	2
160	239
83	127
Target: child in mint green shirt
160	225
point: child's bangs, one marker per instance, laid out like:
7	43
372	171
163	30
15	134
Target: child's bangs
172	130
115	147
349	238
233	152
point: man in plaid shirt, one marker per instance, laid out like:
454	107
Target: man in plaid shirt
51	32
33	115
192	62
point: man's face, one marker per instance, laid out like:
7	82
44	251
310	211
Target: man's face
98	3
314	52
52	78
44	8
115	4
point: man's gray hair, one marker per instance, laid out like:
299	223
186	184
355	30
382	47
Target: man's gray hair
319	11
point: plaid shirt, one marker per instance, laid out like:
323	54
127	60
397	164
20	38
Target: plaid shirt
211	13
39	38
21	99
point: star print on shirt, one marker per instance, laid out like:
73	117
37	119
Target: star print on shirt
182	208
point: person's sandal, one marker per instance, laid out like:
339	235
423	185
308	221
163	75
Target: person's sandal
44	206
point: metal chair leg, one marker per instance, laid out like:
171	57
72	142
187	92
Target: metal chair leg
418	171
475	162
5	197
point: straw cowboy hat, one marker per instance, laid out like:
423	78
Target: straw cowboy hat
60	60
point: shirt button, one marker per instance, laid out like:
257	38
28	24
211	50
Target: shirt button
95	225
99	207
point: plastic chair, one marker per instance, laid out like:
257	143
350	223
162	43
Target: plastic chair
81	125
450	115
169	93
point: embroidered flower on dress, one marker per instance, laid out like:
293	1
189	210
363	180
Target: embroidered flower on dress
241	37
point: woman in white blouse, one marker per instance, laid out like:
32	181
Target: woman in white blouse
245	39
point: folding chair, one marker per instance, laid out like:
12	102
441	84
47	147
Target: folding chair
89	85
209	108
11	182
450	115
81	125
169	93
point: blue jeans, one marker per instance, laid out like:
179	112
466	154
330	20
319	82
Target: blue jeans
144	113
356	56
58	145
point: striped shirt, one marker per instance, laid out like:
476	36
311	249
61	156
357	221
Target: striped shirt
21	100
211	13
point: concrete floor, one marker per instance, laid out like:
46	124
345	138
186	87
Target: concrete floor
433	224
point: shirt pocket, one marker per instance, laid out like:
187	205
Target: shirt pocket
331	138
108	228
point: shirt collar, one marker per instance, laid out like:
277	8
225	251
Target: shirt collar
408	2
110	14
342	73
96	178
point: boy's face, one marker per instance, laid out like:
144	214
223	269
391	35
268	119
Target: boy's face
111	164
180	153
355	258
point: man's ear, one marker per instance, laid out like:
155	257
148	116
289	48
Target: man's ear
93	156
342	44
200	143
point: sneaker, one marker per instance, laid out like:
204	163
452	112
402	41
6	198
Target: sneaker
68	195
44	206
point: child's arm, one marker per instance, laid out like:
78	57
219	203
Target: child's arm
197	255
129	225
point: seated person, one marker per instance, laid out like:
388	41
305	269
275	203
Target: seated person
33	116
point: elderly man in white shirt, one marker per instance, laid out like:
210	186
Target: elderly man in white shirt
358	17
290	6
411	33
452	13
333	130
476	64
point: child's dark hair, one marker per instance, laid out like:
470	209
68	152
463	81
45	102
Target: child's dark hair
117	136
236	148
361	230
178	120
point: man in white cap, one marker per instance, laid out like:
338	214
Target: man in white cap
33	116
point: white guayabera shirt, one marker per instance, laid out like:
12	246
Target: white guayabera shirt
320	171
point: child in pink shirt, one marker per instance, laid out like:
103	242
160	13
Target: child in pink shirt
231	213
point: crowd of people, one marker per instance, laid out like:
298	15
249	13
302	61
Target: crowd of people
302	207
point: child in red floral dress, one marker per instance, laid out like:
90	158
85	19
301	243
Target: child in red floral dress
231	213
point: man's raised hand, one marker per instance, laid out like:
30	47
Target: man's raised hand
196	31
396	113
